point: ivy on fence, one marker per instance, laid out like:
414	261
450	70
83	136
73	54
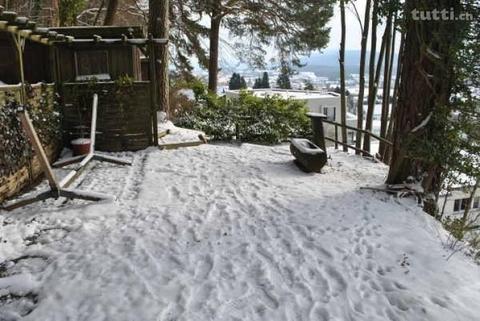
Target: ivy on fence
42	105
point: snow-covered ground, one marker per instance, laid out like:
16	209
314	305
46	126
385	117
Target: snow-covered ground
221	232
177	134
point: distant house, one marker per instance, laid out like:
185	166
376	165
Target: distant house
454	202
327	103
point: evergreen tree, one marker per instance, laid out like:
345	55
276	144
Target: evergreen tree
258	83
309	85
243	83
265	82
283	80
426	140
237	82
294	27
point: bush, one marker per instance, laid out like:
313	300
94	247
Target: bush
269	120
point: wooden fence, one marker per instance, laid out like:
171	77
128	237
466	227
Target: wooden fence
124	114
318	121
22	172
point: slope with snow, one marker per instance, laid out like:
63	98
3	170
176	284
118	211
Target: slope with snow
220	232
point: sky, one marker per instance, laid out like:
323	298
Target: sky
353	34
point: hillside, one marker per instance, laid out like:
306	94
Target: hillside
222	232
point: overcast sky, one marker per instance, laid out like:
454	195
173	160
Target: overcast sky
354	33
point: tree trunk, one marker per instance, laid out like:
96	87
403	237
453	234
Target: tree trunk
163	58
388	152
384	155
469	205
386	83
372	96
371	79
361	92
342	78
55	20
99	12
426	84
214	46
111	11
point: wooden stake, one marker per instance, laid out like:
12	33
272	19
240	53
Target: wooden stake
37	146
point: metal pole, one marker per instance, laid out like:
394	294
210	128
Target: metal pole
93	127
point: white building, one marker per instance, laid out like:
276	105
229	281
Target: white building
327	103
454	202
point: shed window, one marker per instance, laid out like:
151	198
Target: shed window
92	64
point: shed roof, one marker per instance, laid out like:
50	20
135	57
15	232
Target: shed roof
23	27
86	32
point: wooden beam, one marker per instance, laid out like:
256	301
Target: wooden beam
12	29
180	145
37	146
8	16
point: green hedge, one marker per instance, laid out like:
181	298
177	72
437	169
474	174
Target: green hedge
268	120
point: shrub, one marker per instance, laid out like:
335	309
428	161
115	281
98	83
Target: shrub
269	120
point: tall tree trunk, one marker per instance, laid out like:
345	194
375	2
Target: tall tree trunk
373	93
99	12
342	78
426	84
388	152
371	77
111	11
469	204
386	82
55	20
214	47
163	58
361	92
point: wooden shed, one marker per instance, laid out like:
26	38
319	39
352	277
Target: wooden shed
105	61
82	61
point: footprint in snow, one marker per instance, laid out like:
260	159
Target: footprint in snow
338	283
203	268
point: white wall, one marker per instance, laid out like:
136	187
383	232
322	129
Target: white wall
456	195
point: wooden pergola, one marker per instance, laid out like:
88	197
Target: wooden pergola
24	28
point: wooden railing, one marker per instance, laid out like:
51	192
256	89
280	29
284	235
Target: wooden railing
319	119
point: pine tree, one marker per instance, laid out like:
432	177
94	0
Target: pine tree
237	82
258	83
283	80
265	80
309	85
243	83
294	27
426	141
234	83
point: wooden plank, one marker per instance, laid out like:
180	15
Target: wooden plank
359	130
32	135
180	145
349	146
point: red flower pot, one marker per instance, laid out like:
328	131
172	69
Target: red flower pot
80	146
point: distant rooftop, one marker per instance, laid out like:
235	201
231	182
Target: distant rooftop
289	93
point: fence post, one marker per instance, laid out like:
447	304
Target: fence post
317	126
336	137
